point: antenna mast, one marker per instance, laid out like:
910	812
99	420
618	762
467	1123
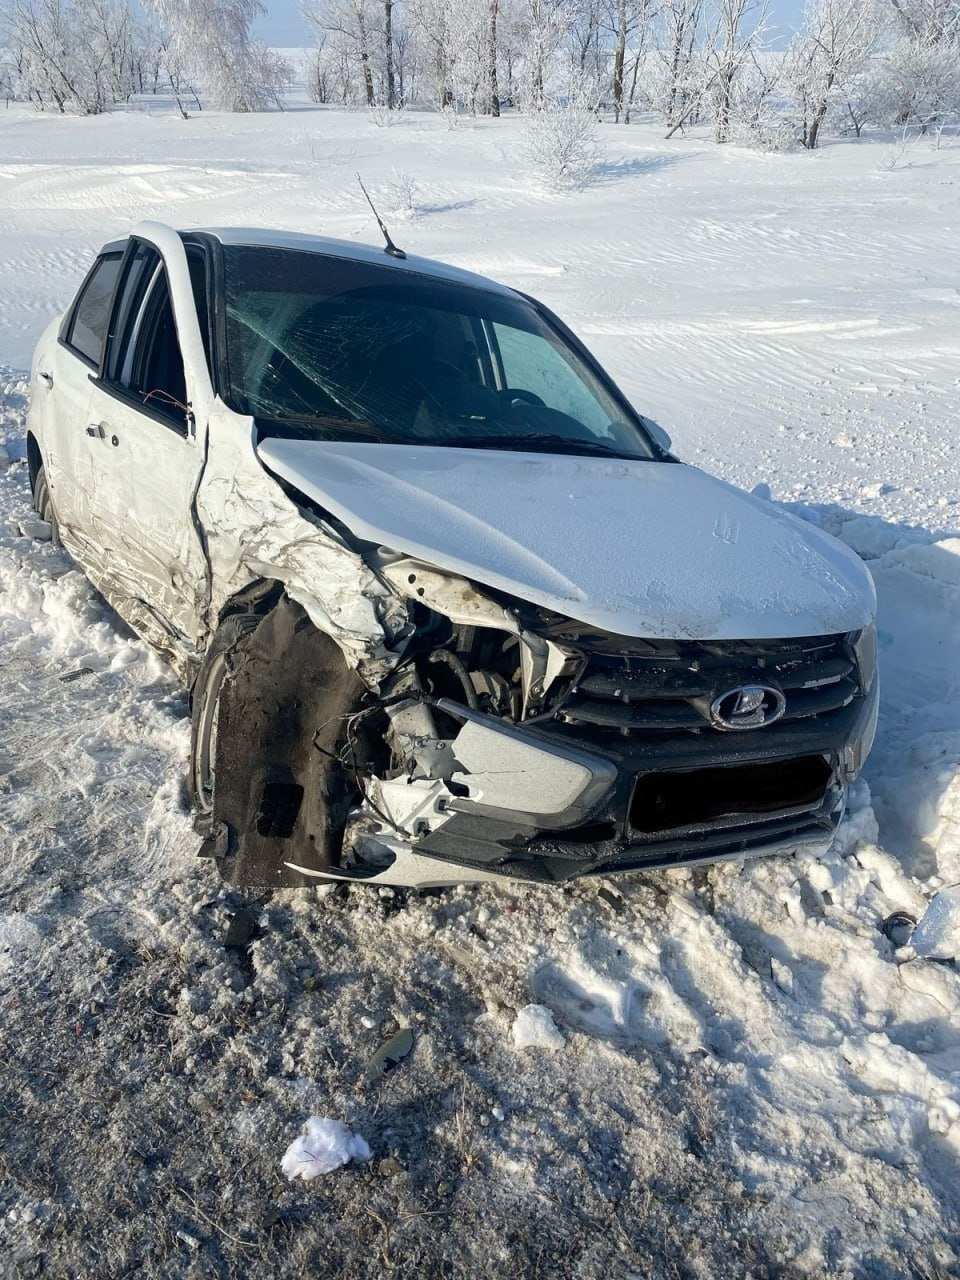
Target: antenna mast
390	248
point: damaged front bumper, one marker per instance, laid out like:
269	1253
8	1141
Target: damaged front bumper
532	802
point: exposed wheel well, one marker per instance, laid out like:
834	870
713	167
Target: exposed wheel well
258	596
34	459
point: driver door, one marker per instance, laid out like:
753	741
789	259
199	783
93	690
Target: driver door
148	415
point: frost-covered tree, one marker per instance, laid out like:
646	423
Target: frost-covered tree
917	83
837	40
735	34
927	21
628	23
70	55
681	66
211	39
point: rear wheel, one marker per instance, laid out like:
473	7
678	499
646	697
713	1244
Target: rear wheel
43	504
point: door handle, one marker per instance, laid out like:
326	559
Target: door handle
96	430
45	377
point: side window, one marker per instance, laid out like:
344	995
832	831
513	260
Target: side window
143	356
531	363
156	371
91	312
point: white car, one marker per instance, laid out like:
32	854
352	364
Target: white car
448	608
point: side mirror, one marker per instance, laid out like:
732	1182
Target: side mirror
659	436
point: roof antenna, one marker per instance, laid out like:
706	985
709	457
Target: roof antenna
391	248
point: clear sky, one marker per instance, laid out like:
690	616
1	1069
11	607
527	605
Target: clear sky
283	23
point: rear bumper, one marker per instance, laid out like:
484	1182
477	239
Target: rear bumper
475	837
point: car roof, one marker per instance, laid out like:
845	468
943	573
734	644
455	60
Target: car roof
266	238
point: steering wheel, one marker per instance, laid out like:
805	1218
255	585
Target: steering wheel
519	396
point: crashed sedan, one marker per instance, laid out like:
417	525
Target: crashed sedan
448	607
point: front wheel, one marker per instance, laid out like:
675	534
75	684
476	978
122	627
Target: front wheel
205	715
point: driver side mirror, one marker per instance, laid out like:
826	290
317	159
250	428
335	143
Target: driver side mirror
660	437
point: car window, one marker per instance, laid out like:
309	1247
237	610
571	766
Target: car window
91	314
342	350
156	373
532	365
139	270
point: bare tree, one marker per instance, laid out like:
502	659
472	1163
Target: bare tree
837	38
388	57
736	31
493	12
211	39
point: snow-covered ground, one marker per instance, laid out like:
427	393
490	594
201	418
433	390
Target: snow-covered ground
742	1076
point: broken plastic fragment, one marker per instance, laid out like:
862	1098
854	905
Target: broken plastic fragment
324	1145
390	1053
898	927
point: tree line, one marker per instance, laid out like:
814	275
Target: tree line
852	64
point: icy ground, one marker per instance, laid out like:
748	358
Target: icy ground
747	1079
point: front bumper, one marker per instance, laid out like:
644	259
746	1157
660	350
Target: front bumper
567	809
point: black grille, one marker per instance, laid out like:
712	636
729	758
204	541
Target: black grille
669	686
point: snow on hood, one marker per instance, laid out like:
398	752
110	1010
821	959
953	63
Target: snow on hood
638	548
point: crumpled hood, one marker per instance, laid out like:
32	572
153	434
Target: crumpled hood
637	548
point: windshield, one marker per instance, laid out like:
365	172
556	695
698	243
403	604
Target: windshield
336	349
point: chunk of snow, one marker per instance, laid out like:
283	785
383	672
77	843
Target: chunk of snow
937	560
869	536
937	935
34	527
534	1028
324	1145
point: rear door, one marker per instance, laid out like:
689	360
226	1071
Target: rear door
64	384
148	411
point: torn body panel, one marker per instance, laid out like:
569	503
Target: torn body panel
254	530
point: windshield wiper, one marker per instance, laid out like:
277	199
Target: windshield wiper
541	442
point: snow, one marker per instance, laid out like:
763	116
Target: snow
937	935
534	1028
745	1040
324	1145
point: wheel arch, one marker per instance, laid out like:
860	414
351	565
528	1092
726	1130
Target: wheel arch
257	596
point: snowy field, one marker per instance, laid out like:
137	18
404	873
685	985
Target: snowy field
747	1078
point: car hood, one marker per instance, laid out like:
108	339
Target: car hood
653	549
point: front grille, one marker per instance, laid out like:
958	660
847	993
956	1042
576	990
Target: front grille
667	686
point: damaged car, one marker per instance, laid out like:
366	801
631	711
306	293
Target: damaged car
447	606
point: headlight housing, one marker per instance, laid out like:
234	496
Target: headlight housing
865	650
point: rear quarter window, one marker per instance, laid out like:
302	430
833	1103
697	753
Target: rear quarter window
91	311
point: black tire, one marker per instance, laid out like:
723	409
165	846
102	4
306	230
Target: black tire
43	504
204	705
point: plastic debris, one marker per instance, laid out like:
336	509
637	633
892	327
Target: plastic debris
898	927
324	1145
390	1053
